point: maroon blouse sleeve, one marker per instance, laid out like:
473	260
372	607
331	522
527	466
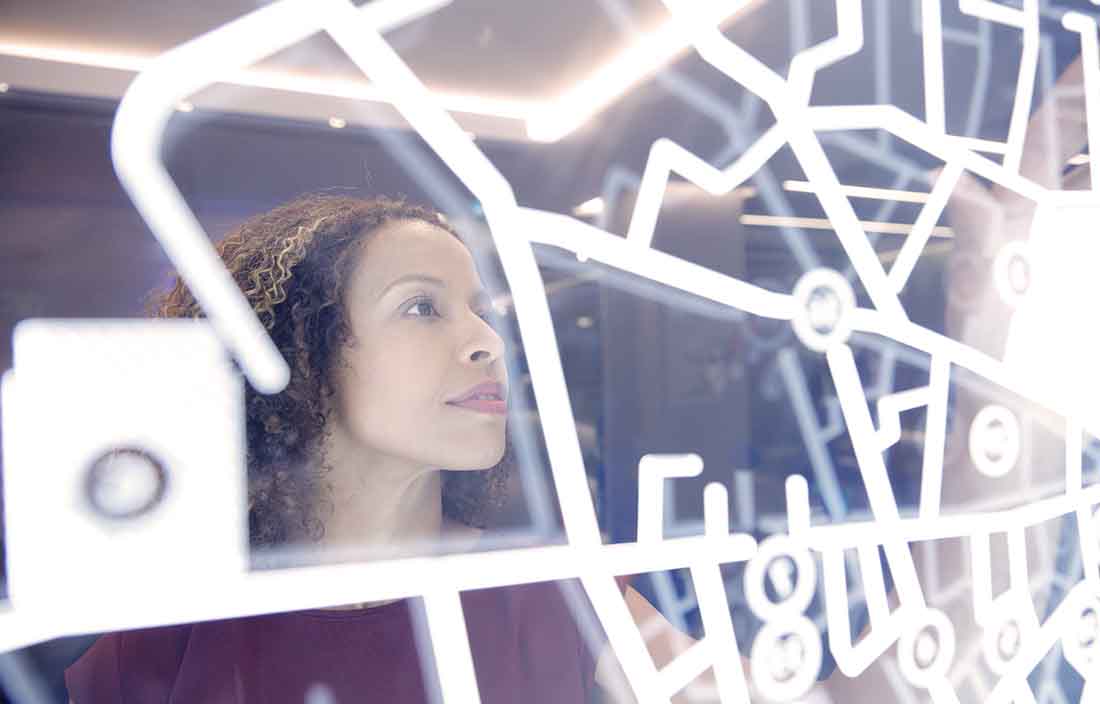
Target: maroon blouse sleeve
560	663
590	659
95	676
129	666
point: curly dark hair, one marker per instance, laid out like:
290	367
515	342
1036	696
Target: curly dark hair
292	263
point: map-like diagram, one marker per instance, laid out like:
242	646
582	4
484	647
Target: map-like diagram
989	422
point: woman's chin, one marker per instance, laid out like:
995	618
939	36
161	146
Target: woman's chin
480	461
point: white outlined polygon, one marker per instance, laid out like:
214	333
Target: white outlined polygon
356	30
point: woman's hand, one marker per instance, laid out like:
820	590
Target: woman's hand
986	273
986	220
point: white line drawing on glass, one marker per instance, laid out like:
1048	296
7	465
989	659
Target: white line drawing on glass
138	476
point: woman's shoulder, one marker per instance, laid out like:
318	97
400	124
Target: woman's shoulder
558	603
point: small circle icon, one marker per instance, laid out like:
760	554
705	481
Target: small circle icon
1081	641
1088	631
125	483
994	441
782	569
1012	273
824	301
1004	640
926	650
785	658
1008	640
823	310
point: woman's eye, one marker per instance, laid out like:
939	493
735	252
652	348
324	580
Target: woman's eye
424	308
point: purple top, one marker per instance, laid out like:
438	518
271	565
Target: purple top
524	639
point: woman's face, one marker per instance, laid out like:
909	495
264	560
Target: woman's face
419	339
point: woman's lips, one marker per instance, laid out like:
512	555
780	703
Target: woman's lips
487	397
484	405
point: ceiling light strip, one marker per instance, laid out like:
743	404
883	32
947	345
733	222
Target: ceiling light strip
272	80
862	192
546	121
882	228
605	85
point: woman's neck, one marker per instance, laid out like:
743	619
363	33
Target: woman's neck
383	509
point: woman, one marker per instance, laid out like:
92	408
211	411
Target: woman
397	373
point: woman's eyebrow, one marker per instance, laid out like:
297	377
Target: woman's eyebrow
423	278
480	297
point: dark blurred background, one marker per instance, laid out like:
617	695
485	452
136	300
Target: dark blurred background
648	371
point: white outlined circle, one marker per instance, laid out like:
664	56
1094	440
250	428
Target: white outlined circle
994	441
1081	640
1012	272
785	658
927	648
804	580
824	302
125	483
1003	640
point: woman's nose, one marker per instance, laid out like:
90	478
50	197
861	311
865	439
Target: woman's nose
485	344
